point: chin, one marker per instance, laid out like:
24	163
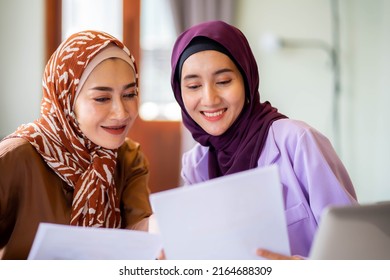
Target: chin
116	146
112	145
215	133
214	130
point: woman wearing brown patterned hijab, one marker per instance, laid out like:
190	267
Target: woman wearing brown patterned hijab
74	165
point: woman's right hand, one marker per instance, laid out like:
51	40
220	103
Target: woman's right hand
161	256
275	256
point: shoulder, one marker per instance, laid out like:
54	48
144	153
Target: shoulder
195	165
195	155
129	146
16	148
130	153
290	127
18	160
293	132
289	138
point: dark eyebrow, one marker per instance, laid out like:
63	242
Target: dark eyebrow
102	88
133	84
220	71
191	76
223	70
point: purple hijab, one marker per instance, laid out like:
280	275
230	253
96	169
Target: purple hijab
239	148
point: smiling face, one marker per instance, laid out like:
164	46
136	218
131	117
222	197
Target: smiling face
213	90
107	104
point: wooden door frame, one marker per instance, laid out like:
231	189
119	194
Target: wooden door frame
160	140
53	19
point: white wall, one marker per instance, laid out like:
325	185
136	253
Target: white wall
367	94
296	81
21	55
299	82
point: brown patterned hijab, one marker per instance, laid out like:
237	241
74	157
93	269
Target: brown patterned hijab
88	169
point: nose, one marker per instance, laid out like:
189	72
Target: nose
210	96
119	110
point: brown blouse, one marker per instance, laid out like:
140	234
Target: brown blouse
30	193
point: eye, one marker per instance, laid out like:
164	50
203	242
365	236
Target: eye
101	99
224	82
130	95
193	86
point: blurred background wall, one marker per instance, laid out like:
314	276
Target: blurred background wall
298	80
22	50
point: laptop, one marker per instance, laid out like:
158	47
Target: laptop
224	218
360	232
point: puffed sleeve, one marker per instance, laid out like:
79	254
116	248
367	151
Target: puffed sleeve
132	179
321	172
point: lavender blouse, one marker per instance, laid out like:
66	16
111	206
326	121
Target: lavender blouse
312	175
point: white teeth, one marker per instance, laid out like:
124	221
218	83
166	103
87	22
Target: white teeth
113	127
214	114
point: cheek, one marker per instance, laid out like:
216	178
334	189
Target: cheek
238	99
132	108
240	103
86	114
188	102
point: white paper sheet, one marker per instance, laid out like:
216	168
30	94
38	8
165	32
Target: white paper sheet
224	218
53	241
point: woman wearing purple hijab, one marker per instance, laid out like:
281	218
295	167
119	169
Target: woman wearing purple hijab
215	81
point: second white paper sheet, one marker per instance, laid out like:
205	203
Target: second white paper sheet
65	242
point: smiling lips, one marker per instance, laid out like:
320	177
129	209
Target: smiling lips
213	116
116	130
